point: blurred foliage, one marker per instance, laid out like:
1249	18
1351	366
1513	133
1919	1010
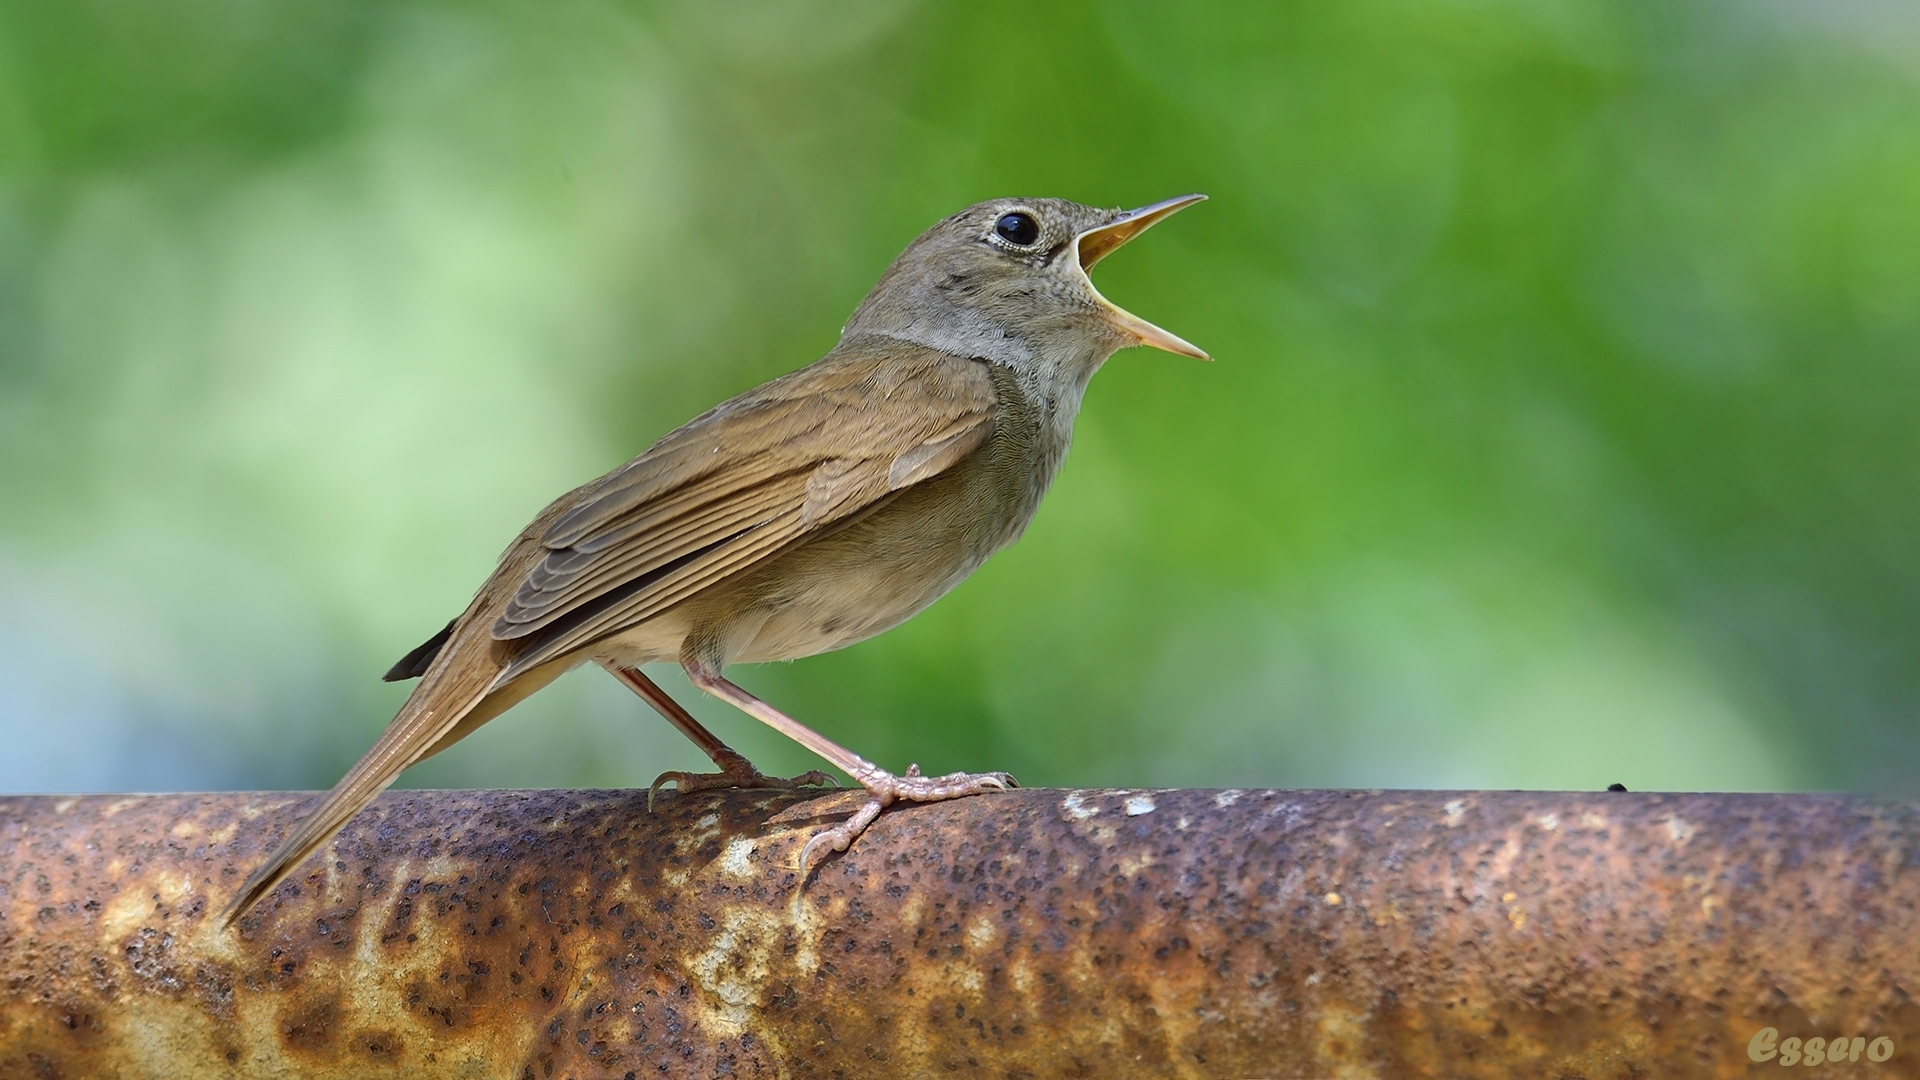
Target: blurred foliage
1562	430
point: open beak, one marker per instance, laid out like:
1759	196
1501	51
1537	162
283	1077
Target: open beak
1099	242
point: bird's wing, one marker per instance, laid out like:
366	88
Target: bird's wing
768	468
761	471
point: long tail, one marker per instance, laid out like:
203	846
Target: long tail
451	690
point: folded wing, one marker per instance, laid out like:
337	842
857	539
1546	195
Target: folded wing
741	483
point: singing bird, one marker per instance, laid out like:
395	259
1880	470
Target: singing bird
806	514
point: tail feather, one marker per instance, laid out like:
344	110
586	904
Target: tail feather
415	664
448	693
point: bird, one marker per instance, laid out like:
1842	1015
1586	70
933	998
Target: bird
804	515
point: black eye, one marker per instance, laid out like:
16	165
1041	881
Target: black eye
1017	228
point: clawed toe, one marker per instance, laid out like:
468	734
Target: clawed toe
840	837
748	777
914	787
885	788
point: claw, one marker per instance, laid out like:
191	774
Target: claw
884	789
841	836
746	777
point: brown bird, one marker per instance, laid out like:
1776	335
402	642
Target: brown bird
804	515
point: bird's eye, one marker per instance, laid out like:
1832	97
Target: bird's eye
1017	228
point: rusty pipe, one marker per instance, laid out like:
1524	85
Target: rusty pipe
1026	934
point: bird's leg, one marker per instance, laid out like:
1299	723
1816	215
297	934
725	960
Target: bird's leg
735	769
883	787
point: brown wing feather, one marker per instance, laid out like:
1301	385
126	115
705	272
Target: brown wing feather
572	576
828	441
726	490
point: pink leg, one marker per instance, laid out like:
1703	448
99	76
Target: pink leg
735	769
883	788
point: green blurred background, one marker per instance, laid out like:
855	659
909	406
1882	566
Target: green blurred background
1562	431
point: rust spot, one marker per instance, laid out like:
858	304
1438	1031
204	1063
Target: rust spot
149	955
380	1045
310	1028
214	985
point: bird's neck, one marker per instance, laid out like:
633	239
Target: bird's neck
1051	366
1055	381
1053	369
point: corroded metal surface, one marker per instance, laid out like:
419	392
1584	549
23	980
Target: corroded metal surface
1026	934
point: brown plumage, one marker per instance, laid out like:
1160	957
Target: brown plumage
803	515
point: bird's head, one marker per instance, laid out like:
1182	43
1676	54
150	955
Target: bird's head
1007	280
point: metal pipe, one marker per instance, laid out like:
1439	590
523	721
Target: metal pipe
1027	934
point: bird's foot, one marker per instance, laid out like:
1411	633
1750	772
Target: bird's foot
736	772
883	788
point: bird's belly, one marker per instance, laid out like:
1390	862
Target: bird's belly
658	639
827	612
875	574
